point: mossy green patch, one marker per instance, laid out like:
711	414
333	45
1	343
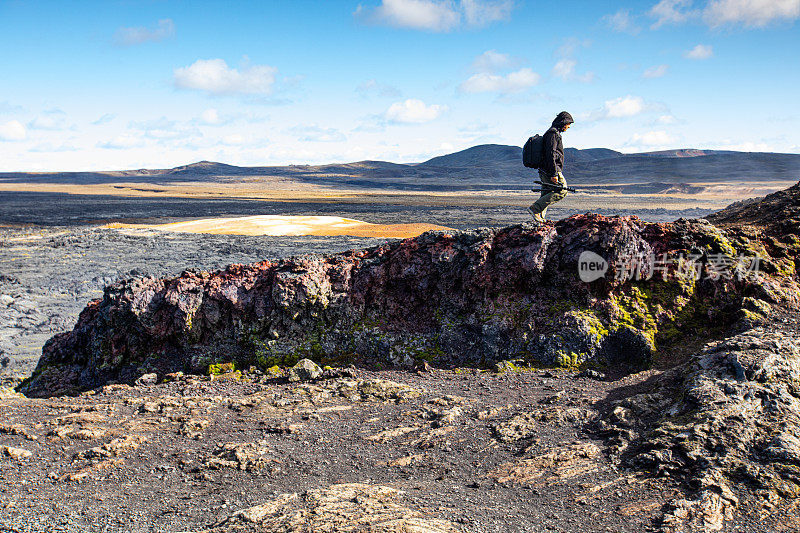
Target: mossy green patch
274	371
221	368
236	375
566	359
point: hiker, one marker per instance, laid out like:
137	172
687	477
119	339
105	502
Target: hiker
551	167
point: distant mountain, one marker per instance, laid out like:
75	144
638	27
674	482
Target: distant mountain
684	152
589	154
486	166
486	155
478	156
206	168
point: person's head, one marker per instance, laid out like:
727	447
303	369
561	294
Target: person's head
563	121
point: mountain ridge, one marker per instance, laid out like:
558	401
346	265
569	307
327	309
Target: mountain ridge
484	165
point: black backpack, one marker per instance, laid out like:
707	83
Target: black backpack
532	152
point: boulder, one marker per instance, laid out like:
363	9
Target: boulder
305	370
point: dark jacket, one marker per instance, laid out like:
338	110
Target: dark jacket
553	146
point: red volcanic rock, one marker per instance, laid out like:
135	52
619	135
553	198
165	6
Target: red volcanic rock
449	298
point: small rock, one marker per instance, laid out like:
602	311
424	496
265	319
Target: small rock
555	398
590	374
518	427
240	455
89	433
305	370
406	460
621	416
147	379
8	393
173	376
16	453
449	416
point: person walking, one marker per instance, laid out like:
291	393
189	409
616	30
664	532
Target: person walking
552	167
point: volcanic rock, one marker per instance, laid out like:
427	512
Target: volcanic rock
305	370
453	298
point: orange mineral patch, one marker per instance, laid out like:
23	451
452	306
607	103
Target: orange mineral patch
279	225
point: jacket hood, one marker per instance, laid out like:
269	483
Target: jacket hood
562	119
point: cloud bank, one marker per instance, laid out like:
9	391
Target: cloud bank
750	13
436	15
717	13
513	82
413	111
699	52
214	76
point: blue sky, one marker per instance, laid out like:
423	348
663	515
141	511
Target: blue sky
134	84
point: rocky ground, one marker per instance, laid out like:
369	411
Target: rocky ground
429	451
706	439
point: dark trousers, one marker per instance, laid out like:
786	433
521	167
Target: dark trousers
549	196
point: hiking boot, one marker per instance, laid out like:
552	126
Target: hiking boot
537	217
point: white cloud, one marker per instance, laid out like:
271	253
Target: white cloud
315	133
657	71
413	111
437	15
234	140
652	139
139	35
622	22
122	142
666	119
53	148
214	76
491	61
701	51
6	107
417	14
750	147
753	13
108	117
13	130
741	146
474	129
622	107
210	117
50	120
163	129
565	69
514	82
571	46
482	12
671	12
